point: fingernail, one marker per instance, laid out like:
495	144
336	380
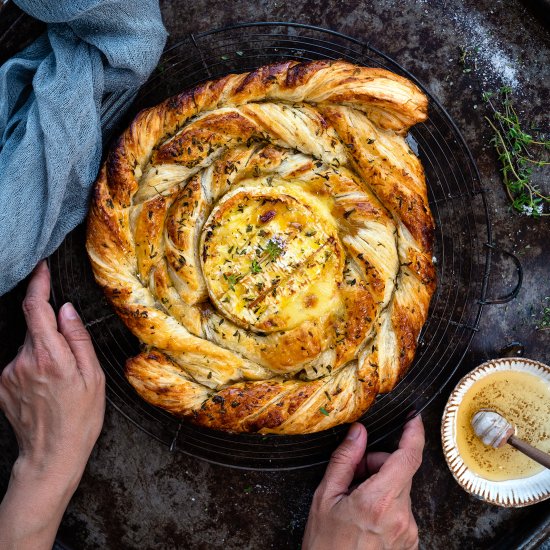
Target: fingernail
354	432
69	312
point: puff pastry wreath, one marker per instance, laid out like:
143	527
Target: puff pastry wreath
267	237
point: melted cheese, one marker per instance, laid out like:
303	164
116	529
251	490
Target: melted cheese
271	259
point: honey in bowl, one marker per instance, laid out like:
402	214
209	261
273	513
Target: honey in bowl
524	400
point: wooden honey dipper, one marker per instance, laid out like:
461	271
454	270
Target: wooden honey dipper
495	431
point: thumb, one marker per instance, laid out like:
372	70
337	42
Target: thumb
341	468
76	335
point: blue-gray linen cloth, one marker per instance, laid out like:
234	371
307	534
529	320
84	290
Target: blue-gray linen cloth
50	132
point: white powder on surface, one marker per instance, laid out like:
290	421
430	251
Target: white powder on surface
485	57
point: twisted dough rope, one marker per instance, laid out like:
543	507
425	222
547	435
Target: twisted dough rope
323	141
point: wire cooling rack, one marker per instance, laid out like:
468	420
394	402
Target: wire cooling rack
462	253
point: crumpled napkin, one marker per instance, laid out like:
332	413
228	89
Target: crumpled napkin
50	132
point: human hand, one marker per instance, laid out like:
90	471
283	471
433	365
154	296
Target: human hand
53	394
376	514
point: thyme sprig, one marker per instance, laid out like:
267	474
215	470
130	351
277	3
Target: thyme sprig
514	149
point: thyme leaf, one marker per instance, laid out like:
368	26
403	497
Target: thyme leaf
544	323
255	267
232	280
273	249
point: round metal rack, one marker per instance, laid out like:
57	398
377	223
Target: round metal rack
462	257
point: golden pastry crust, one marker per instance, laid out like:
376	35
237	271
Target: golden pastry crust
267	237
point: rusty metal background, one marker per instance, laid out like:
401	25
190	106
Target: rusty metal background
135	494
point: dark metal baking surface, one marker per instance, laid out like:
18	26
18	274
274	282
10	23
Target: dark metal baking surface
136	493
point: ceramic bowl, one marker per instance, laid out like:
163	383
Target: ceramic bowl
513	493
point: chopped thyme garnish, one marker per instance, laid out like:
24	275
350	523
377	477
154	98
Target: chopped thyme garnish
322	410
273	249
232	280
255	267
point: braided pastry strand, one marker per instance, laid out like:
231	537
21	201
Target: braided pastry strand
267	237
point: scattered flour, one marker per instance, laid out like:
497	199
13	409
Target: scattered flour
486	55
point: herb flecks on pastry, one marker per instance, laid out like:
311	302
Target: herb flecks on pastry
267	237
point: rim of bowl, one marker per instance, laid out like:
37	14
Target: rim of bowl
500	493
